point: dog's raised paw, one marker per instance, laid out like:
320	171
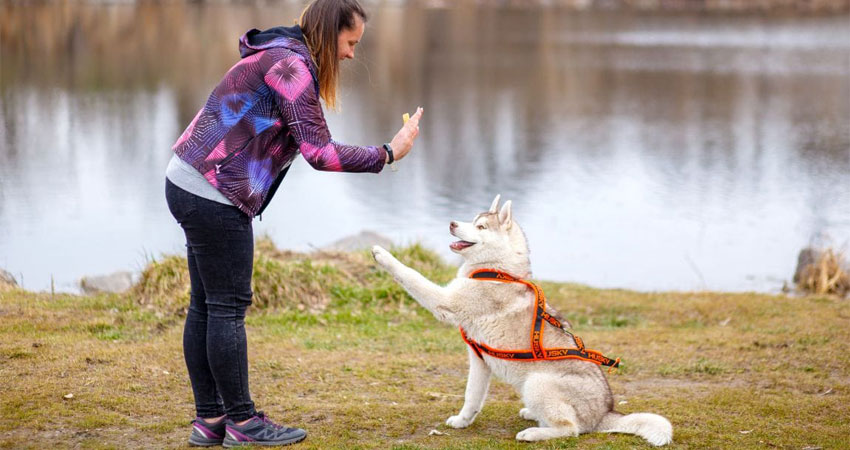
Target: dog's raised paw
458	422
380	254
384	258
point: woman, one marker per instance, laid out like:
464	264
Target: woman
227	165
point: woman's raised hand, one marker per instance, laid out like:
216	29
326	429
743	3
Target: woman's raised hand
403	140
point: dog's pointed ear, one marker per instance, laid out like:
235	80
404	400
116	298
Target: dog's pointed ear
495	205
505	215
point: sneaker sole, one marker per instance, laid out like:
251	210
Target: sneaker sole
231	443
203	442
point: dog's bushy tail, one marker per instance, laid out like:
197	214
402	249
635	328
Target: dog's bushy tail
655	429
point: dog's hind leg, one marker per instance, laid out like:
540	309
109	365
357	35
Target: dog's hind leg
562	423
431	296
476	392
545	403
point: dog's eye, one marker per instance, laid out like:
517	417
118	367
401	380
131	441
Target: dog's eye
482	227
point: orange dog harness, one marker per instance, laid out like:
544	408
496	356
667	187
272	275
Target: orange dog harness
537	352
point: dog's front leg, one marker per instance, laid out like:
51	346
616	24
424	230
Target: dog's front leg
476	392
431	296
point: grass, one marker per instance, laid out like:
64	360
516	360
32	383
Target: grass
340	350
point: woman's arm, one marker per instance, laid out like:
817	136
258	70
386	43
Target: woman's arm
299	104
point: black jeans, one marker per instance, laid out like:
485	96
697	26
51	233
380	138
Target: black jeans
220	250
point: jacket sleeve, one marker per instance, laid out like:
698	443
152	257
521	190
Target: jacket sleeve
292	83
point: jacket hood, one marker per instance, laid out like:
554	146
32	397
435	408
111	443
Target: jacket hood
288	37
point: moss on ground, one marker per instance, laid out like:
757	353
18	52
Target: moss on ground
338	348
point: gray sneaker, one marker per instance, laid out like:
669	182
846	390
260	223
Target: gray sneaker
205	434
260	430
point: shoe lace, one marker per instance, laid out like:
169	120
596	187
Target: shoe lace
268	421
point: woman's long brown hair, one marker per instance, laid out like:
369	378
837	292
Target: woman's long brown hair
321	22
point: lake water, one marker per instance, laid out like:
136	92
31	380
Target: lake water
649	152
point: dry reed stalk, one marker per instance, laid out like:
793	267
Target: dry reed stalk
827	275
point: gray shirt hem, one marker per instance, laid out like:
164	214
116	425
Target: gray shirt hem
186	177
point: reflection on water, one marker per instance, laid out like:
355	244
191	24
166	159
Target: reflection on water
649	152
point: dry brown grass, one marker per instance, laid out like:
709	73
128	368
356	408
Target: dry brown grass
373	370
287	280
826	275
7	281
164	285
742	371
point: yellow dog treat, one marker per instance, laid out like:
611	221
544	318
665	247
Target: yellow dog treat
405	117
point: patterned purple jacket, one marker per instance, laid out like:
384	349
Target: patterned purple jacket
261	115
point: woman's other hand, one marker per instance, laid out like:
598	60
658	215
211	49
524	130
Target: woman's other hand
403	140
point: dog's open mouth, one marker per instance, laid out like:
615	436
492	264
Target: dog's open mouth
460	245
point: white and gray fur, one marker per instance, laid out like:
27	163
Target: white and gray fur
565	397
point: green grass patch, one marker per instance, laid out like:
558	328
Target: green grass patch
606	318
105	331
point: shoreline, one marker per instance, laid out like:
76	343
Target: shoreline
125	282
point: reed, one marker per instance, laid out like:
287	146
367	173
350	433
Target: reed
828	274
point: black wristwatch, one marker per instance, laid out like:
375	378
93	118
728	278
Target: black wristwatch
389	152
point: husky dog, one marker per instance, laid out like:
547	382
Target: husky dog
565	397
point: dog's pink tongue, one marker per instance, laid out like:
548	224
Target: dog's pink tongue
460	245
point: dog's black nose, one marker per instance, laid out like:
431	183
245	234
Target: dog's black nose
452	226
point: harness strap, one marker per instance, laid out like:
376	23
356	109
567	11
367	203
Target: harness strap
537	351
